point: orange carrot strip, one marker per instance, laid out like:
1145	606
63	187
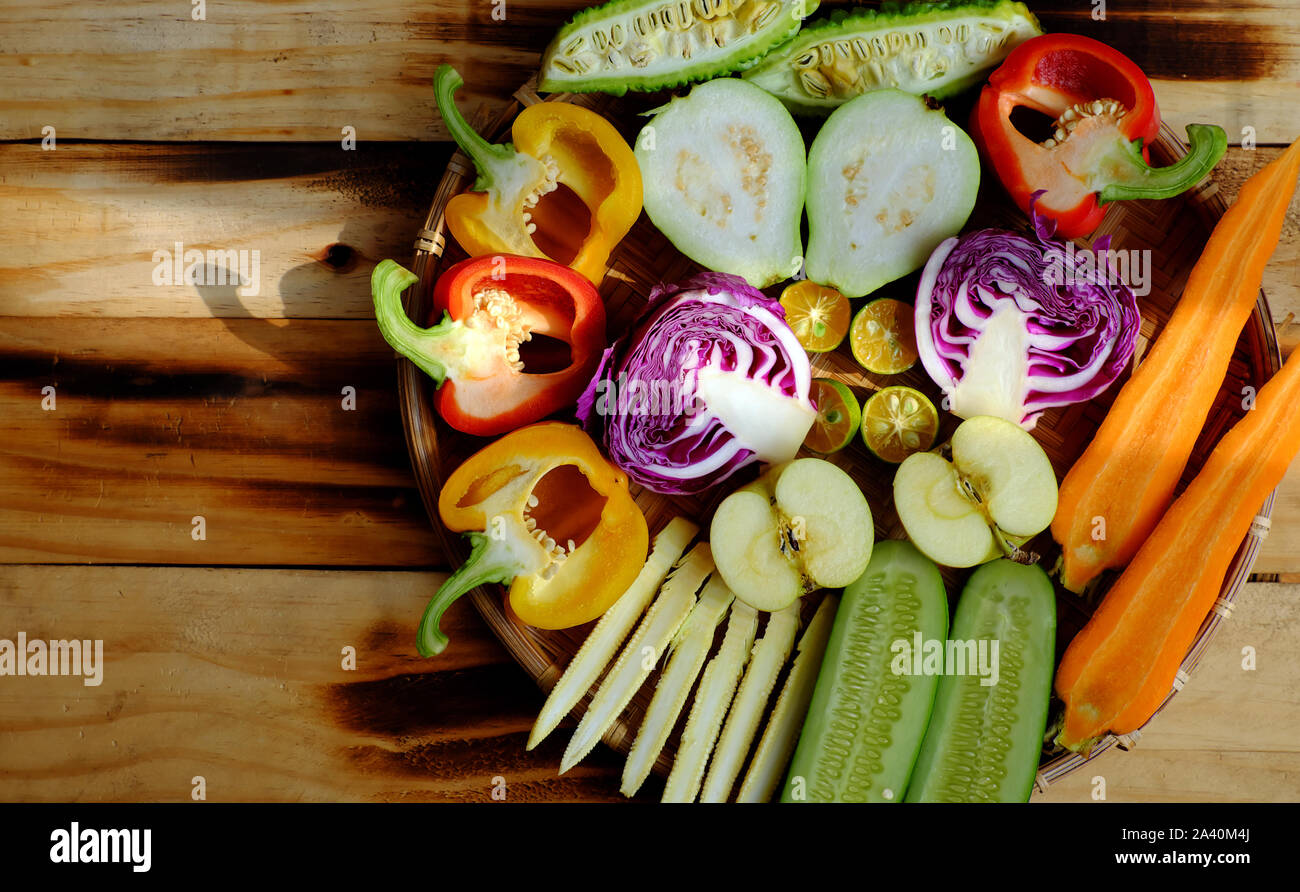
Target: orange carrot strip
1119	669
1128	473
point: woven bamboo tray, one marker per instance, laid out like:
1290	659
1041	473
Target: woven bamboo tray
1174	231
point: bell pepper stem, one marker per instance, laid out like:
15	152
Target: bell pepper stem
487	157
485	565
1130	177
422	346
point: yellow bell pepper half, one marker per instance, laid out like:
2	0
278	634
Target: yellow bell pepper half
547	513
518	207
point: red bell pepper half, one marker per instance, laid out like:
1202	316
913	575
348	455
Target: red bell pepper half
1105	118
490	305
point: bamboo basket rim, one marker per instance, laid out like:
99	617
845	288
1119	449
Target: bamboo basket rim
423	427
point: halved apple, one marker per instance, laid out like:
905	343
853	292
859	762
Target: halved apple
997	493
802	526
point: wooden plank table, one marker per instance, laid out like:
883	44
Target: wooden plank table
224	656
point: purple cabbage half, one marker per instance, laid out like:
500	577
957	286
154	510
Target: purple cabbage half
708	380
1009	325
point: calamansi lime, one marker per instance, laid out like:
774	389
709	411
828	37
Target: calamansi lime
898	421
818	316
838	416
883	337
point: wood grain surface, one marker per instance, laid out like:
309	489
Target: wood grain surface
239	421
85	221
228	402
236	676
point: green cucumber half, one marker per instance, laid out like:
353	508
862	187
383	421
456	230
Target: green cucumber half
889	178
866	722
723	174
933	48
654	45
984	740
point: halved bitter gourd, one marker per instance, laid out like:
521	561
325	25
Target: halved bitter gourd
653	45
984	740
935	49
723	173
866	722
889	178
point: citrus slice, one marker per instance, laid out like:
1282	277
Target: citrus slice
898	421
883	337
818	316
838	416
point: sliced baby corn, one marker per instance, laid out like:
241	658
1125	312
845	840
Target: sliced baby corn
690	648
603	642
782	733
710	707
769	656
641	653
